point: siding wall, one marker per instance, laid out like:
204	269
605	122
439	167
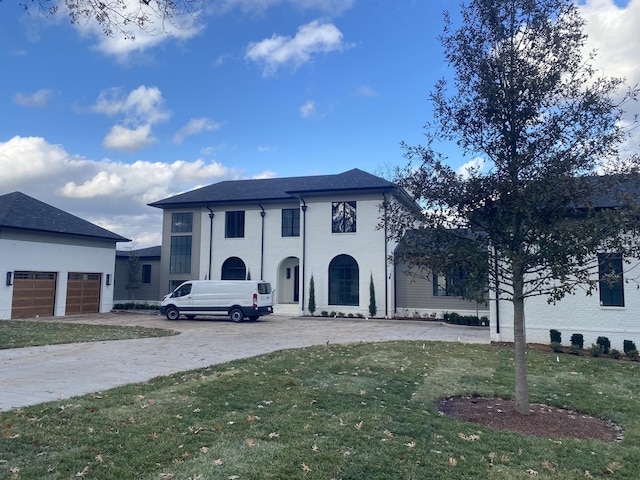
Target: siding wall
414	296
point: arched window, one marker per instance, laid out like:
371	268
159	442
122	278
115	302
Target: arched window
344	288
233	269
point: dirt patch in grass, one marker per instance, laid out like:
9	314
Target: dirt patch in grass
544	420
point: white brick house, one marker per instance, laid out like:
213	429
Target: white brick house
286	230
612	310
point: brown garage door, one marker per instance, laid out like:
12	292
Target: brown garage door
83	293
34	294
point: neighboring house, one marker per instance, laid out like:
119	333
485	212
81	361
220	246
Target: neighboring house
286	230
51	262
137	276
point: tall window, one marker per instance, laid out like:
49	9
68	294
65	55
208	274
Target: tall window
180	255
290	222
182	222
611	280
234	226
233	268
447	285
146	273
343	217
344	288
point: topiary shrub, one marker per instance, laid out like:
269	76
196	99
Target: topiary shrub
577	339
628	346
555	335
605	344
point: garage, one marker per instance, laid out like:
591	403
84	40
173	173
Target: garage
34	294
83	293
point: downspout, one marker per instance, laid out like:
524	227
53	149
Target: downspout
262	214
304	249
210	239
497	286
385	203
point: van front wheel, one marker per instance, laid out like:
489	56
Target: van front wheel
172	313
236	315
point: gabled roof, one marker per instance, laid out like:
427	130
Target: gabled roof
141	252
23	212
274	189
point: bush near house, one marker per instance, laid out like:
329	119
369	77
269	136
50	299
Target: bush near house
469	320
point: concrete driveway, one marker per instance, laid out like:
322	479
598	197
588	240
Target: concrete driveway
38	374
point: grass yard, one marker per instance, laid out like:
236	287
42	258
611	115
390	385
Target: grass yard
360	411
19	333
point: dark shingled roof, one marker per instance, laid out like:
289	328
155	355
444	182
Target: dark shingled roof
23	212
141	252
274	189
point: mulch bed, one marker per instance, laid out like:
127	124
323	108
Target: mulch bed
544	421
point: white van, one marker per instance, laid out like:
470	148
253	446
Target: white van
236	298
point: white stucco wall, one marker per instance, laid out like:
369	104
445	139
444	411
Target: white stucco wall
366	246
579	313
54	254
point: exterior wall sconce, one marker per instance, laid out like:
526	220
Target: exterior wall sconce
108	279
9	278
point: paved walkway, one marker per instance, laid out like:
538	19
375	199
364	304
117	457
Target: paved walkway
39	374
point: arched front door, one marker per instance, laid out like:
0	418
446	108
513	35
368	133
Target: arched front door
289	281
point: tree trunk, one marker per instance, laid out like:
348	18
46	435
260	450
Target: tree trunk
520	345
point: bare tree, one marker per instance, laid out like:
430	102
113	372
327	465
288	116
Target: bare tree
124	17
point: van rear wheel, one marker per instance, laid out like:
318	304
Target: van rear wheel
236	315
172	313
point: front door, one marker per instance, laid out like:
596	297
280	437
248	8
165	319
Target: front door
296	284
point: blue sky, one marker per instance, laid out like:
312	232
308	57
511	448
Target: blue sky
102	126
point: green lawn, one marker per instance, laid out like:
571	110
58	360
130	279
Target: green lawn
19	333
360	411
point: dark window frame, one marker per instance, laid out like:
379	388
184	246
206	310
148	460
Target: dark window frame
611	280
182	222
343	217
290	222
344	281
180	254
234	224
146	273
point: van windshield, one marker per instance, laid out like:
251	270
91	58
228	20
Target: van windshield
182	290
264	288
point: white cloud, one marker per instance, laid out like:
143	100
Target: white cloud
140	109
109	193
37	99
279	51
142	105
366	91
259	7
308	109
613	32
195	126
129	139
477	164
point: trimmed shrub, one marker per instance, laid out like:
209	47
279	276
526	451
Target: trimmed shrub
633	355
605	344
596	350
577	339
468	320
312	296
575	349
628	346
614	353
556	347
556	336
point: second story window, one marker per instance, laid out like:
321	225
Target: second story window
234	224
290	222
343	217
182	222
180	254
